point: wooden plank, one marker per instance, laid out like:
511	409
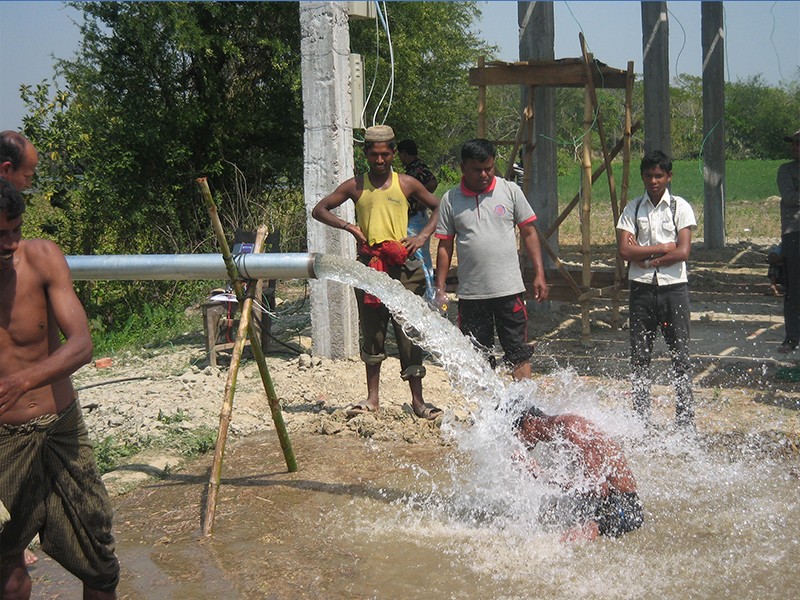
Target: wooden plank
566	72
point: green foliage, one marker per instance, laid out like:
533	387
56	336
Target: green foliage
189	443
178	417
158	95
758	116
147	326
751	210
745	180
108	454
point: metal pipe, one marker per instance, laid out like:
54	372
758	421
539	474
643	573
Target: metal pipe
141	267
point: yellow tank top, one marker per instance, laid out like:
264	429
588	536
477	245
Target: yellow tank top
382	214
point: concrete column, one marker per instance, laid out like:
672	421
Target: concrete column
713	42
537	42
655	62
328	161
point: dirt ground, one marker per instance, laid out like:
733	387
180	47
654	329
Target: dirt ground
743	388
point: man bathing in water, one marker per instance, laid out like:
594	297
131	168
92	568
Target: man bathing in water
601	494
48	478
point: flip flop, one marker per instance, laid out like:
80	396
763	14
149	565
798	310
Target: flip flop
430	413
360	409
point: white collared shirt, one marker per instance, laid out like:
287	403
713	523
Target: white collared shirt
656	226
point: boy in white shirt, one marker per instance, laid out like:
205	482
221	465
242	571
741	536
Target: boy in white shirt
654	233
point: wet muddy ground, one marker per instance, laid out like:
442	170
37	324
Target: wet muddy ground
346	525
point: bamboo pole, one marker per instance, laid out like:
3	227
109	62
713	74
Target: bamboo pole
230	389
515	149
586	209
258	352
481	102
623	199
595	176
588	60
530	143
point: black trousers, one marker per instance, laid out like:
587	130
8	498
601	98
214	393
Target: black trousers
663	308
790	248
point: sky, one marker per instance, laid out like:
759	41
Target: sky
761	38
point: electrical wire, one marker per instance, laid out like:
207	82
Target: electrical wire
390	84
375	72
772	41
683	45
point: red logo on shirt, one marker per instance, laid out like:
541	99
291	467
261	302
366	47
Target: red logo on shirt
500	210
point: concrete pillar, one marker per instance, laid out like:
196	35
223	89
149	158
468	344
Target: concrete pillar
655	63
537	42
328	161
713	43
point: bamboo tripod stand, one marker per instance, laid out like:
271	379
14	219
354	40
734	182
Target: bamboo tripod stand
246	326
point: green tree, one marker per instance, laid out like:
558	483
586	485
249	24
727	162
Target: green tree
758	116
158	95
686	105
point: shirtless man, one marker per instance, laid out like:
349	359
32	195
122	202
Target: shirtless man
601	494
48	478
18	161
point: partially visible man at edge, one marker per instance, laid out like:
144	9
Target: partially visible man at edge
789	187
48	481
381	231
18	162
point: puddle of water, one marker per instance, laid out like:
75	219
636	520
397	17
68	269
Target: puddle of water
366	521
390	520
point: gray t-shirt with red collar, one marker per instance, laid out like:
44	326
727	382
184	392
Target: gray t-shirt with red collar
483	226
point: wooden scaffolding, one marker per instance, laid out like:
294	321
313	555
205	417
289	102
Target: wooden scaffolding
589	74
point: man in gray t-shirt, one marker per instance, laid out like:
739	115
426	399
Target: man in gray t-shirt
479	218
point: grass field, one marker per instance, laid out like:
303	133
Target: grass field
751	210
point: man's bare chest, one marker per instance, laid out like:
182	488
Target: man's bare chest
23	312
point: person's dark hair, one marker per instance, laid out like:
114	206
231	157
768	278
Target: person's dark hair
531	412
408	146
653	159
392	145
11	201
478	149
12	148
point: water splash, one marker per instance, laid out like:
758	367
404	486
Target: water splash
716	526
468	370
490	487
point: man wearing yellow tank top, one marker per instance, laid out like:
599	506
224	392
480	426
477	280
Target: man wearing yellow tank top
381	205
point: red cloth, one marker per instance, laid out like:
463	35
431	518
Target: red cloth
383	255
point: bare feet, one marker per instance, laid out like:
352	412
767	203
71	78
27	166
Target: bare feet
30	558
